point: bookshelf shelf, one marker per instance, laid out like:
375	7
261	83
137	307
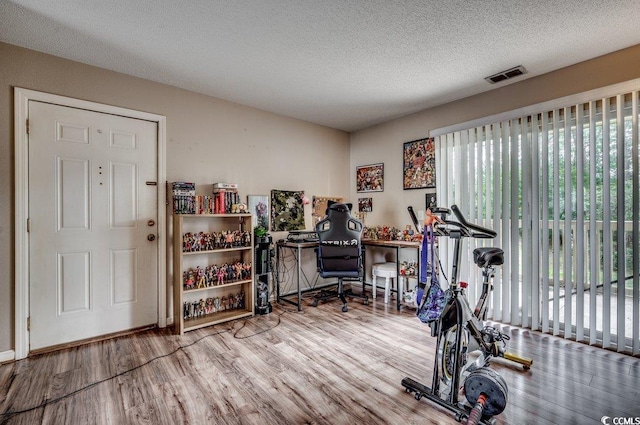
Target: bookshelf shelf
224	302
213	251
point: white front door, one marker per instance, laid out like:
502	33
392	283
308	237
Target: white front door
92	269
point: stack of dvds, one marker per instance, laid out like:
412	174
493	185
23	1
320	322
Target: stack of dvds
184	198
225	195
204	204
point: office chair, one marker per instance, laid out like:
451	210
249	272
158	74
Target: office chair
339	252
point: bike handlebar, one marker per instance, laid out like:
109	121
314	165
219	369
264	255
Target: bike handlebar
475	231
469	230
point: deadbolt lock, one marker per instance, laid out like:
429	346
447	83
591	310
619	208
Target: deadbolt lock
151	237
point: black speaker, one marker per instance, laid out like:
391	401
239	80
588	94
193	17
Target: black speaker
263	255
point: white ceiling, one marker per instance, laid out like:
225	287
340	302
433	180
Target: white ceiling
339	63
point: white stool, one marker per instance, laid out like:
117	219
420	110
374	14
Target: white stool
388	271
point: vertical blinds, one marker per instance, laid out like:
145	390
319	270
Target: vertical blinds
561	188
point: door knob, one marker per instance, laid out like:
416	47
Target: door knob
151	237
151	223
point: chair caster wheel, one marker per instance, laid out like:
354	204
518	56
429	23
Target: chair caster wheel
365	302
345	308
417	396
314	303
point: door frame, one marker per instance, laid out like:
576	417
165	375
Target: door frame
21	161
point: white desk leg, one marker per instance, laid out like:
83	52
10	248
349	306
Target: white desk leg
373	286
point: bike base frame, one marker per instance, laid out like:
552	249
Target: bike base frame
420	390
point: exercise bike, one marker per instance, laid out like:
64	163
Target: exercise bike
460	332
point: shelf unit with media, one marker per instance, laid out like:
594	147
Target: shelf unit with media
201	296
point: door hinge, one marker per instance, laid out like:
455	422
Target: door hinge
27	125
28	323
28	225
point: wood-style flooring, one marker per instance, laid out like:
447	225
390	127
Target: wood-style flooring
318	366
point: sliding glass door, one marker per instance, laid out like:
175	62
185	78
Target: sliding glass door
561	188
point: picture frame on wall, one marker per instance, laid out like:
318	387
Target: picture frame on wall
258	206
370	178
365	204
287	210
319	207
419	164
430	200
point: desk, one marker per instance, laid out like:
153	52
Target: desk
296	248
397	246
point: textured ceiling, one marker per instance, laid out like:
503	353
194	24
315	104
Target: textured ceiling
339	63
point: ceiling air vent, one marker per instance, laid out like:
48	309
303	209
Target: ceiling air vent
505	75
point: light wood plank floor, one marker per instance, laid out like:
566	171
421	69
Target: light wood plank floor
320	366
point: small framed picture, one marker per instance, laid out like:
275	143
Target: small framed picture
430	201
370	178
365	204
419	164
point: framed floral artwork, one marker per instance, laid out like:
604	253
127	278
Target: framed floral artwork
419	164
258	206
370	178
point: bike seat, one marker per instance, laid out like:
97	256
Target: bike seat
485	257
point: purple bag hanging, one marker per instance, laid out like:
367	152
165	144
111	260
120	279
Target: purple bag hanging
431	301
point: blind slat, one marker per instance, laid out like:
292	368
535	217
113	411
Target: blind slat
505	221
620	225
463	201
556	223
567	239
580	227
606	227
474	176
635	196
593	228
497	291
535	225
514	218
544	228
527	243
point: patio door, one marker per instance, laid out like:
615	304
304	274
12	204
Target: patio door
561	187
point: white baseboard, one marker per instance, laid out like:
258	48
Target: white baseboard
7	356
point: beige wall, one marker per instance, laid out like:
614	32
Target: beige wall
208	140
383	143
